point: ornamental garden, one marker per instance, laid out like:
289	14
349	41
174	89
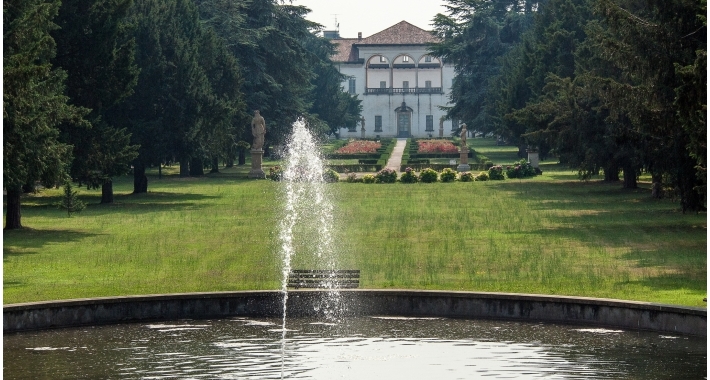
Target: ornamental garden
424	160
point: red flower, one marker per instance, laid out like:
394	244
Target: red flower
436	146
359	146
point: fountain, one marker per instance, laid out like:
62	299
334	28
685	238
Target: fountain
307	218
328	333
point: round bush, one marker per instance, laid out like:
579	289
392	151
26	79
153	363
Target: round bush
386	175
275	173
408	176
466	177
352	178
330	176
448	175
495	173
369	178
482	176
428	175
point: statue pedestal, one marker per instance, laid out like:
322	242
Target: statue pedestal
534	158
256	158
463	163
441	132
362	133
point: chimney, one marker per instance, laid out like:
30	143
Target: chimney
359	36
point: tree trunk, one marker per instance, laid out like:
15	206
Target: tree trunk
629	177
689	185
523	151
107	192
215	165
656	186
140	181
13	218
242	157
197	169
611	174
184	167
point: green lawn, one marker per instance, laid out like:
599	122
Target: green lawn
552	234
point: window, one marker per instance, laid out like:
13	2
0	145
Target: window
427	58
405	84
378	123
383	59
405	59
351	85
383	84
430	123
454	125
427	84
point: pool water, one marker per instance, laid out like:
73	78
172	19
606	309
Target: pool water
358	348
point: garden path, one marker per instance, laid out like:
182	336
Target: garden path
395	161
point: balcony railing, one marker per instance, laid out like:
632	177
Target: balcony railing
411	90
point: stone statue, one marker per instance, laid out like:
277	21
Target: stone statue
362	123
441	127
464	132
258	129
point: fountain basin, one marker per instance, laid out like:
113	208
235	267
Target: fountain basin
631	315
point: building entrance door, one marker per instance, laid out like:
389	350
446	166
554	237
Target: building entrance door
404	120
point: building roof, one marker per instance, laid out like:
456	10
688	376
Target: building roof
402	33
345	51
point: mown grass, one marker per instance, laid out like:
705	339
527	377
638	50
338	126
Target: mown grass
552	235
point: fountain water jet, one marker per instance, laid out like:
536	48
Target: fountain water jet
307	216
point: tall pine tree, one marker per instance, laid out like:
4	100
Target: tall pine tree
34	103
96	48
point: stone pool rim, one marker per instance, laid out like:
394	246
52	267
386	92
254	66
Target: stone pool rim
587	311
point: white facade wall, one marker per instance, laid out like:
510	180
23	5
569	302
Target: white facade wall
422	102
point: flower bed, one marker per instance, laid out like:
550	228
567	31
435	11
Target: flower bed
359	146
436	146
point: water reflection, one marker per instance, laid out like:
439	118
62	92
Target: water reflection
366	347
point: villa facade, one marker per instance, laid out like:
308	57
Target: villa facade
401	86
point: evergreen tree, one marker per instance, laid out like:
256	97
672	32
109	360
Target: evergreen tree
475	35
33	102
265	37
70	201
175	113
224	110
96	48
650	42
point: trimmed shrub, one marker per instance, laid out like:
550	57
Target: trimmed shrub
330	176
352	178
495	173
520	169
275	173
466	177
428	175
386	175
448	175
369	178
408	176
482	176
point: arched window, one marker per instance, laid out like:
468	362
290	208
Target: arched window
378	75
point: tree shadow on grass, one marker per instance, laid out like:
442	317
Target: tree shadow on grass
671	282
129	203
27	241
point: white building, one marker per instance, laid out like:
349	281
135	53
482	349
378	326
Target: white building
401	86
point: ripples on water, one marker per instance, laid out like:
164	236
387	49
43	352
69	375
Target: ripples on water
359	348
